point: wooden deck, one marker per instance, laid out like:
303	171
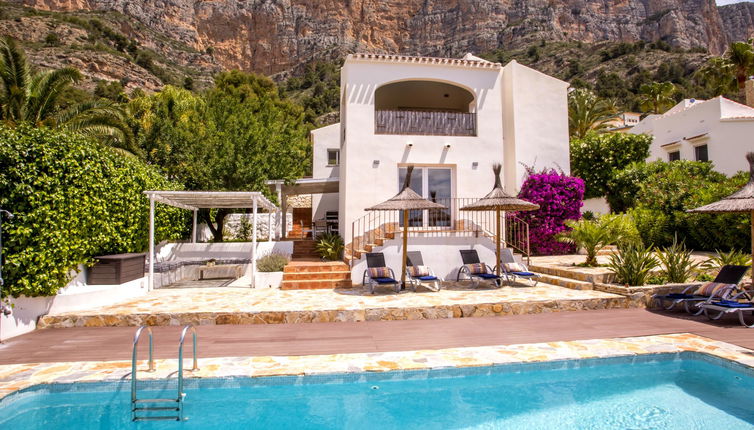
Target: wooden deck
114	343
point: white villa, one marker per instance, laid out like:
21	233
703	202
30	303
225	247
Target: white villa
717	130
452	119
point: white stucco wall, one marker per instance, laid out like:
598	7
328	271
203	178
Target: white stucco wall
728	138
323	139
535	117
440	253
75	296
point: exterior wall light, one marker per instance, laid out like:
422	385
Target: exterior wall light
474	165
376	163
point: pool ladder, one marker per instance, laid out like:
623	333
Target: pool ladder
152	405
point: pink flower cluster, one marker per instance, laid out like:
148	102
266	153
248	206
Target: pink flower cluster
560	198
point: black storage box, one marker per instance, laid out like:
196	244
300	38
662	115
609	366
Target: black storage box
116	269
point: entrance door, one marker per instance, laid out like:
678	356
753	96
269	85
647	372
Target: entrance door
434	184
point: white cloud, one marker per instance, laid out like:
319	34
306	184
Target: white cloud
722	2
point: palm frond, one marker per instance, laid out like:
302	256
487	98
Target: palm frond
15	73
105	121
45	89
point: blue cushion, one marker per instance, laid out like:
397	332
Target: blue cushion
487	275
524	274
385	280
427	278
732	304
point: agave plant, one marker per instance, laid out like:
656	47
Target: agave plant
329	246
677	261
634	264
732	257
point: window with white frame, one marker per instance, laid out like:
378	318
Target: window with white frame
333	157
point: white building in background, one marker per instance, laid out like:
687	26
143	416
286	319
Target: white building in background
450	118
623	121
717	130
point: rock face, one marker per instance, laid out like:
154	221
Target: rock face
270	36
738	20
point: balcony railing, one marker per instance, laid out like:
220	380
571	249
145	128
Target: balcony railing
425	123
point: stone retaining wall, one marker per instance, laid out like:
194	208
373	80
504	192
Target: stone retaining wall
369	314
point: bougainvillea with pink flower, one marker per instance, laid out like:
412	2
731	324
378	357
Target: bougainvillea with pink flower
560	198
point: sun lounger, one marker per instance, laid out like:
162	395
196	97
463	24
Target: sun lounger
475	270
715	309
722	287
417	273
512	269
378	273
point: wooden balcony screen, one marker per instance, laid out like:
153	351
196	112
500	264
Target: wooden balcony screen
425	123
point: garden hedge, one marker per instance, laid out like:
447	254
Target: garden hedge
73	199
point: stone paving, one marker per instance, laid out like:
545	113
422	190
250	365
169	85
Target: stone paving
19	376
229	305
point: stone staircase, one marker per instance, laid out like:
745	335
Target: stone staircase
575	278
304	249
316	275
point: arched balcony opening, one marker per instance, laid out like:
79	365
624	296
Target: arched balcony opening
424	108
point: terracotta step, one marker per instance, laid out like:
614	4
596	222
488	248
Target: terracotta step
309	267
571	283
320	276
315	285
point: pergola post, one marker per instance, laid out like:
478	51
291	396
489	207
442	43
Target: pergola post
193	230
254	242
269	226
150	284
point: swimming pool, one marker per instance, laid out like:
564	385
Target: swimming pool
662	391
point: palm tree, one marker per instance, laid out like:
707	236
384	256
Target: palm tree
587	111
740	56
34	97
718	75
594	235
656	97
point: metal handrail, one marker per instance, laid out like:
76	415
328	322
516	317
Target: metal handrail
133	358
180	357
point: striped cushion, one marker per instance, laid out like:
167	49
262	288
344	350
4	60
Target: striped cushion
710	288
418	271
514	267
379	272
477	268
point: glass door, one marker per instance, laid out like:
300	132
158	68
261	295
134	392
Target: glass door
434	184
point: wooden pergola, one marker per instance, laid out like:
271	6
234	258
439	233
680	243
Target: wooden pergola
195	200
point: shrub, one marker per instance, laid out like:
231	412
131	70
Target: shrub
594	235
73	199
633	265
732	257
662	192
272	262
678	265
329	246
612	152
560	198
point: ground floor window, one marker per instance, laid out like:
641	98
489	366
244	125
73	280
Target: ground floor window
333	157
674	156
434	184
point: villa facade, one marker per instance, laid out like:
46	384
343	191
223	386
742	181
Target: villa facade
450	118
717	130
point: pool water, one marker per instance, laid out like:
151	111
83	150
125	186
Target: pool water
664	391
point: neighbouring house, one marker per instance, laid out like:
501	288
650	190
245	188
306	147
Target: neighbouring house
717	130
623	121
452	119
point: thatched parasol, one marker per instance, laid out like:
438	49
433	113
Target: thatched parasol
498	200
740	201
406	200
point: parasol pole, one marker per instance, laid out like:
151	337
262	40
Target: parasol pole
752	250
404	258
497	241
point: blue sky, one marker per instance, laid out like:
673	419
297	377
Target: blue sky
722	2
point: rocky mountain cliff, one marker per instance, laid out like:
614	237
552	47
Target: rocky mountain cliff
273	36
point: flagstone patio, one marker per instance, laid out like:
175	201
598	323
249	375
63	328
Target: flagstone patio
229	305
